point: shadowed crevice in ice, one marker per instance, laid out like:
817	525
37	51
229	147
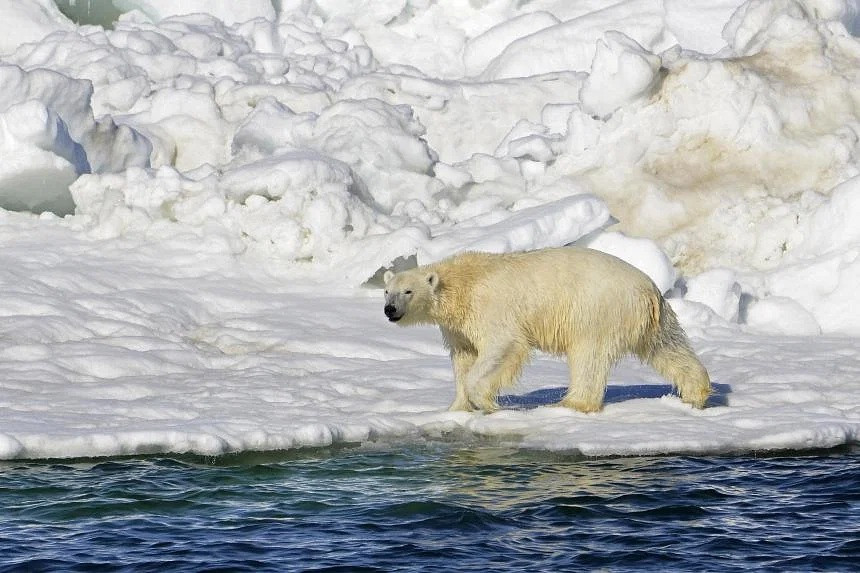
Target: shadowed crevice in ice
614	395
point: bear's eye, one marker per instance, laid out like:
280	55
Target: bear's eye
386	292
407	292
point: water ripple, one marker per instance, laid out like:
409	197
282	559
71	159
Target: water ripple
439	507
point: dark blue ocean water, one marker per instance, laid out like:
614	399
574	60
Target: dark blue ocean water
435	507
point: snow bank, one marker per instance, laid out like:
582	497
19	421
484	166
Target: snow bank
641	253
223	167
119	346
726	143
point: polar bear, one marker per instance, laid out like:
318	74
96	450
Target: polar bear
585	305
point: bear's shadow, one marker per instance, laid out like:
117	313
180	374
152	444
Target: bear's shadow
614	395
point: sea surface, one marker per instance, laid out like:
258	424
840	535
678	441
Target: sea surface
433	507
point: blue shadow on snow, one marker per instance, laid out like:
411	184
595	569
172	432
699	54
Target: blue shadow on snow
614	394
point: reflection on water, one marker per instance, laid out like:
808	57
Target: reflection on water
438	506
499	478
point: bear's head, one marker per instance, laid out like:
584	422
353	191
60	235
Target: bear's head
409	295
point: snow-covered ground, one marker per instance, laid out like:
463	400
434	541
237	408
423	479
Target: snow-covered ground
191	203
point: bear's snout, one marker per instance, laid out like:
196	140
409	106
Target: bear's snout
391	312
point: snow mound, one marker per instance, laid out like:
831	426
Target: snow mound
49	134
622	71
641	253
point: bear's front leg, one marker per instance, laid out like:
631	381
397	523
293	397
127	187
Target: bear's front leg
462	361
494	369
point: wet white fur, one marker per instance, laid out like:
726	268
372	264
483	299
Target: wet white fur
590	307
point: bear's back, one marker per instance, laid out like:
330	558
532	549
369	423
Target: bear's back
534	285
544	267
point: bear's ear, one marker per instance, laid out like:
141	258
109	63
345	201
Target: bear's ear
386	278
433	280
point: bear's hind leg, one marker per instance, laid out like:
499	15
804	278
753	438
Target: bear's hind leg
682	368
589	374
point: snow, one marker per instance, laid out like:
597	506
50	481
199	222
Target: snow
192	198
29	22
642	253
49	136
482	49
621	72
572	44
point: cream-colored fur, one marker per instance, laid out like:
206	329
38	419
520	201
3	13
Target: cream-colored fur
588	306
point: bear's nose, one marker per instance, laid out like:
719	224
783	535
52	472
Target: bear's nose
390	310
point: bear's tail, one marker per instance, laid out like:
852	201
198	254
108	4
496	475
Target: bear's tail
669	352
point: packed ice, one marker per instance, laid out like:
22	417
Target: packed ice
195	197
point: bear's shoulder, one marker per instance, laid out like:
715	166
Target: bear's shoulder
468	267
